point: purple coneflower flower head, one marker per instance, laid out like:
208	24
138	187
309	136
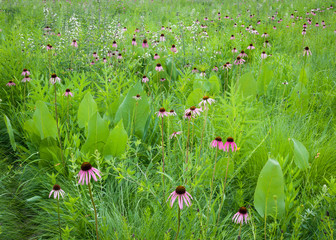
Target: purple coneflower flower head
162	28
137	30
194	70
203	73
267	44
182	196
144	44
217	143
173	49
234	50
57	191
124	29
285	83
159	67
134	43
162	79
230	142
137	97
307	51
109	53
25	72
265	35
206	100
242	54
174	134
10	83
263	55
86	172
119	56
172	113
239	61
156	56
47	28
258	22
232	37
68	93
317	25
74	43
94	54
114	44
250	47
26	79
58	34
145	79
54	79
188	115
92	63
215	69
104	60
162	38
162	112
240	216
49	47
97	59
194	111
304	32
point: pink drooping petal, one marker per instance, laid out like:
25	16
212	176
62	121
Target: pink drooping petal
93	175
226	147
185	199
188	199
170	196
173	200
235	216
189	195
58	194
235	146
51	193
82	178
180	201
96	171
220	145
90	173
214	143
55	194
240	219
232	147
86	178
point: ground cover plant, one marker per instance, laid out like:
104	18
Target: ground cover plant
180	119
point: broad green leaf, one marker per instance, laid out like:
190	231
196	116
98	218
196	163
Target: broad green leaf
116	142
10	132
299	99
50	153
98	132
269	196
194	98
44	122
264	79
214	84
131	111
87	108
301	155
171	70
247	85
303	78
33	132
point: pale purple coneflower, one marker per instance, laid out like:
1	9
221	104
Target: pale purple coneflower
240	216
49	47
162	113
242	54
232	37
188	115
174	134
47	28
181	195
109	53
239	61
267	44
194	70
173	49
104	60
86	172
263	55
159	67
259	22
230	143
202	74
145	79
156	56
206	100
58	34
97	59
265	35
54	79
145	44
162	28
307	51
304	32
74	43
10	83
68	93
234	50
92	63
250	47
194	111
137	97
57	192
26	79
25	72
217	143
172	113
136	30
317	25
134	43
114	44
162	79
119	56
124	29
162	38
215	69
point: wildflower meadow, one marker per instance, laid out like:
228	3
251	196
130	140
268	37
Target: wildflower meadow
167	119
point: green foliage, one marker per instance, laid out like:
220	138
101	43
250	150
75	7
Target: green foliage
44	122
301	155
87	108
10	132
269	196
116	143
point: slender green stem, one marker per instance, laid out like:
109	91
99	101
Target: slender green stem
205	118
163	180
211	187
240	228
95	211
179	222
227	168
58	130
59	219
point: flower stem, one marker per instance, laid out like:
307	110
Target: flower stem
240	228
205	118
179	222
58	130
94	207
227	168
59	219
163	162
211	187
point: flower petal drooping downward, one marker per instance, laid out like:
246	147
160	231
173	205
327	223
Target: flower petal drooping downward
240	216
86	172
57	191
230	143
181	195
